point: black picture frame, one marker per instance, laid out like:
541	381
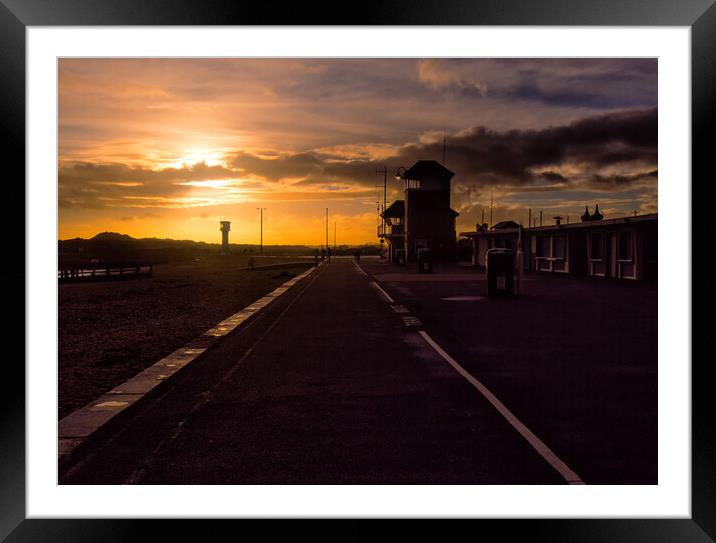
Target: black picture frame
699	15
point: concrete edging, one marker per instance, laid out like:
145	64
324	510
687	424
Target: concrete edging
77	427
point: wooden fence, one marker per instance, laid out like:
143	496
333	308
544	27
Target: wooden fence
74	273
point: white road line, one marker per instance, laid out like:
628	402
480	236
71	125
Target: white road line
359	269
385	294
412	321
563	469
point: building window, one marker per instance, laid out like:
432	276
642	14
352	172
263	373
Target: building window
544	251
543	247
626	247
412	184
396	221
551	254
626	266
596	257
559	253
559	245
596	248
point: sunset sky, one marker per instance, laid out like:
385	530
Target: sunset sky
169	147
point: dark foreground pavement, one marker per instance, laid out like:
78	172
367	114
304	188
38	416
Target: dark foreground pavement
327	385
574	359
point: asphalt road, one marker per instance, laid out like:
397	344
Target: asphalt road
334	383
574	359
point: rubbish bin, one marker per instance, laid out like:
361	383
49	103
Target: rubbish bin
500	272
425	260
400	257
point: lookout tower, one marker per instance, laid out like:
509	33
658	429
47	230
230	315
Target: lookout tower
429	220
225	227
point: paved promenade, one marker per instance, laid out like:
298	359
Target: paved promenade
364	375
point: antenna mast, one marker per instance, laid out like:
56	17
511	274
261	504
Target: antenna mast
490	209
444	144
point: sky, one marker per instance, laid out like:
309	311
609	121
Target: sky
167	148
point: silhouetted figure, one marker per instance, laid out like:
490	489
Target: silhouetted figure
252	265
315	257
357	255
328	252
323	254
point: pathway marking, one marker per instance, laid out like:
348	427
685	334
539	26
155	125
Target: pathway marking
385	294
557	463
359	269
411	321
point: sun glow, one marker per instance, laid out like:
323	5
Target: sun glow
192	157
211	183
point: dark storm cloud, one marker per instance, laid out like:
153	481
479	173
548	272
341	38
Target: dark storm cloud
297	165
600	181
88	185
595	142
599	84
582	151
481	156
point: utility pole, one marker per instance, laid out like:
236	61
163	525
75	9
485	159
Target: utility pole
520	257
334	237
540	217
261	250
490	209
384	171
326	228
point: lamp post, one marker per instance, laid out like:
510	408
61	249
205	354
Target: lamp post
399	175
261	246
384	171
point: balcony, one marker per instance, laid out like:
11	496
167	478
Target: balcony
390	230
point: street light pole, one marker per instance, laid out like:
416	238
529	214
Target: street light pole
384	171
261	250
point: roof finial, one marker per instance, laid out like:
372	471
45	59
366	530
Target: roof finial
586	216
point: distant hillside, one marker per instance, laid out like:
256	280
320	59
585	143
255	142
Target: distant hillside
115	247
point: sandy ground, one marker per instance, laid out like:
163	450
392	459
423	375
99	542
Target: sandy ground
110	331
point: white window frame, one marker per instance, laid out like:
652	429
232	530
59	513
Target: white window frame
548	261
621	262
592	261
